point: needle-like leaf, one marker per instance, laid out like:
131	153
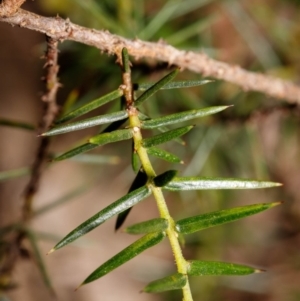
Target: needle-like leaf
75	151
14	173
172	282
87	123
180	117
91	106
204	221
199	183
152	225
162	154
164	178
173	85
118	206
125	255
216	268
157	86
17	124
114	136
139	181
165	137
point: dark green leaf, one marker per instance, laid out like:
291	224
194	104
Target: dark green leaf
157	86
165	137
204	221
17	124
125	60
91	106
215	268
152	225
135	160
87	123
114	136
180	117
162	154
118	206
169	283
164	178
162	129
75	151
199	183
139	181
173	85
125	255
96	159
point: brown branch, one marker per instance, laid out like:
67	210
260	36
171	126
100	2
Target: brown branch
50	112
10	7
197	62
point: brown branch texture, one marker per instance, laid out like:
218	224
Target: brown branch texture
200	63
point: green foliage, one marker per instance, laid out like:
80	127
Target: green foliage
128	253
148	182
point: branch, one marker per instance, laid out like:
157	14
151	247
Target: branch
62	29
50	112
9	7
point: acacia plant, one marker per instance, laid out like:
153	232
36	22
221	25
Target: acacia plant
129	123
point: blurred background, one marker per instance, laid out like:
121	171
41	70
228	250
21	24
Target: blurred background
256	138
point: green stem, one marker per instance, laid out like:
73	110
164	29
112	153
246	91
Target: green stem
160	201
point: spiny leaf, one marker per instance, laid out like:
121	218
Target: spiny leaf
118	206
75	151
199	183
125	60
173	85
162	129
114	136
164	178
91	106
162	154
97	159
17	124
216	268
157	86
180	117
87	123
139	181
172	282
204	221
152	225
125	255
165	137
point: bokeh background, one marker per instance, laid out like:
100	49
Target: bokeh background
256	138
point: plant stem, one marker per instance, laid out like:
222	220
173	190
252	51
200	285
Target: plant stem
161	203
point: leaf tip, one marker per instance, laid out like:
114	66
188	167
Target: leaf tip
257	271
78	287
51	251
276	204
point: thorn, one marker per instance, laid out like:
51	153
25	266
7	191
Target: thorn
277	203
51	251
78	287
259	271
